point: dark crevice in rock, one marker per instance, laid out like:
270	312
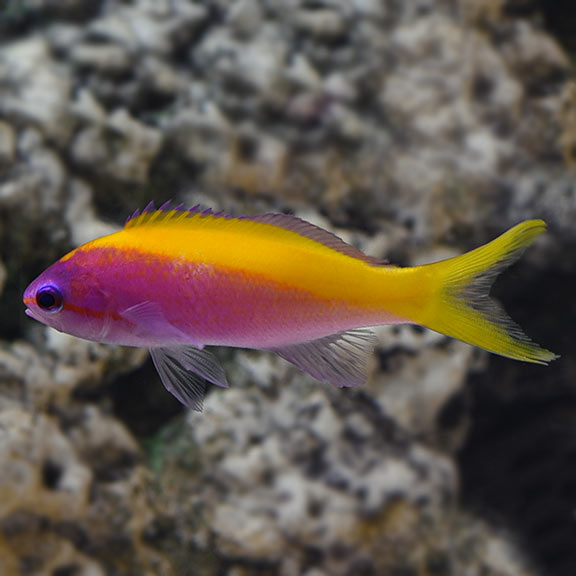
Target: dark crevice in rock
142	403
25	253
560	19
516	463
51	474
67	570
20	17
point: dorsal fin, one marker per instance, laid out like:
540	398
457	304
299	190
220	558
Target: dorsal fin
313	232
166	216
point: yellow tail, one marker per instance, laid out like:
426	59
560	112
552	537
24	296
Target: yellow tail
461	307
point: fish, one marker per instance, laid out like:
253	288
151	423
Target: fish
177	281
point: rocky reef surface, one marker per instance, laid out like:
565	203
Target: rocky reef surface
413	129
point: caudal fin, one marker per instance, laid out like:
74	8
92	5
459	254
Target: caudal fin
462	307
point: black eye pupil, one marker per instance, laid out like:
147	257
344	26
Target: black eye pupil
46	300
49	299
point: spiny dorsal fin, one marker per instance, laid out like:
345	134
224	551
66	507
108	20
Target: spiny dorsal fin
165	215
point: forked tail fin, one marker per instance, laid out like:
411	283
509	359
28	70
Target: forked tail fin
462	307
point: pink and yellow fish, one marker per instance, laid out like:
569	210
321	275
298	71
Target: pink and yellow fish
175	281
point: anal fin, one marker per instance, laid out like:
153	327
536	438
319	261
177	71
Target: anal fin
340	359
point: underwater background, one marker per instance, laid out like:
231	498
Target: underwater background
414	129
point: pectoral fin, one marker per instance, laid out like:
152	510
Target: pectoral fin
148	318
339	359
184	371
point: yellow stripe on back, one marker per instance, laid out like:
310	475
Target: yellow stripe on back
253	247
265	223
284	249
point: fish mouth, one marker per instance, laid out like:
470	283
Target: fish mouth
35	315
31	313
27	301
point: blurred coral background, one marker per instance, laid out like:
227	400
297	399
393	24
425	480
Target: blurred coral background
414	129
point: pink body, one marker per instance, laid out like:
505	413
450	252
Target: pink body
189	303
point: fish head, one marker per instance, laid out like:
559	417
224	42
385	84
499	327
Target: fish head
69	297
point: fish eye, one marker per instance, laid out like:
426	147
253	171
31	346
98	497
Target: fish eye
49	298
